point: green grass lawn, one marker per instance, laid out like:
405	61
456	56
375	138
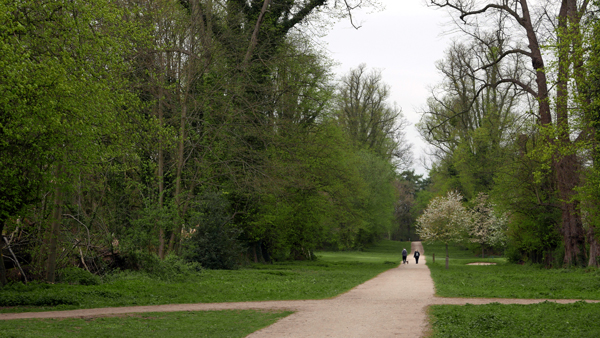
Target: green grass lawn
159	324
506	280
386	252
495	320
331	275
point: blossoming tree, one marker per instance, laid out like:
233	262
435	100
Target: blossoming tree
445	220
487	227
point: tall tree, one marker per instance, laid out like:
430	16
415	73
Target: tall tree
445	220
468	123
370	120
588	78
516	16
66	101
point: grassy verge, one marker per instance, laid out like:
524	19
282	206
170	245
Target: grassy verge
330	275
506	280
169	324
538	320
385	252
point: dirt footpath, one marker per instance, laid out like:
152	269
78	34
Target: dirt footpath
392	304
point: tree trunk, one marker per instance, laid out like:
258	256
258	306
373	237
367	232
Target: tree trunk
594	247
566	166
254	252
54	231
180	163
161	178
447	257
572	226
537	62
254	38
3	280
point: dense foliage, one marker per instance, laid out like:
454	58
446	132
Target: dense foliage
515	118
136	131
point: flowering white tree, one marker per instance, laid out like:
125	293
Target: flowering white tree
445	220
487	226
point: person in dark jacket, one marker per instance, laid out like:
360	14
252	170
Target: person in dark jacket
404	254
417	255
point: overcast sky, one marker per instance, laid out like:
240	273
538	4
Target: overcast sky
404	41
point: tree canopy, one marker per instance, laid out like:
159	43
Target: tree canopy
513	119
209	130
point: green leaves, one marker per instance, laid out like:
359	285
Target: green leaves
371	122
57	97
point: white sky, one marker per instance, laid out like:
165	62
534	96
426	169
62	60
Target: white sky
404	41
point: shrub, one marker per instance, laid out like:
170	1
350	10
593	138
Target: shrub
138	260
513	255
35	294
177	266
75	275
171	268
213	242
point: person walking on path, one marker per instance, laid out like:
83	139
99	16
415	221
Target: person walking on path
417	255
404	254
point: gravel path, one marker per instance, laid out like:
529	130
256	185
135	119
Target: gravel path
392	304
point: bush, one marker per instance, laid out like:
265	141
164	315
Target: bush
177	266
558	256
171	268
513	255
36	300
138	260
214	241
75	275
142	232
35	294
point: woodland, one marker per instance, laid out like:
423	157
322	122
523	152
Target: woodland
514	129
214	132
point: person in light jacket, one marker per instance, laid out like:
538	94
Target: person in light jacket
404	254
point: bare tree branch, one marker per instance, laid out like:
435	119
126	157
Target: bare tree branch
502	56
254	39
